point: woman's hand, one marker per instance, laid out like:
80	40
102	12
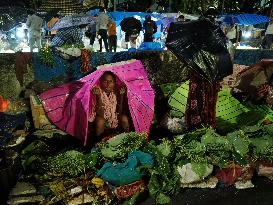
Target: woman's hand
95	90
122	90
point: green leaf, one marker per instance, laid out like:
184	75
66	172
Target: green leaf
163	199
165	147
119	146
199	168
153	186
135	199
240	142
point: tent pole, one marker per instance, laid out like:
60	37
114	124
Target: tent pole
271	9
237	34
223	6
115	5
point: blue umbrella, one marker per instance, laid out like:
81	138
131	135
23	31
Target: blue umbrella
245	19
73	21
167	21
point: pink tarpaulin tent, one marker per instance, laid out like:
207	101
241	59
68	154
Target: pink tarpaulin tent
67	106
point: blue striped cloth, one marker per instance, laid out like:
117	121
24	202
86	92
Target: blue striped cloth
70	35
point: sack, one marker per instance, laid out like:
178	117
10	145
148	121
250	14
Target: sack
149	27
119	174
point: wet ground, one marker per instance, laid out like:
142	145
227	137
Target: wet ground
261	194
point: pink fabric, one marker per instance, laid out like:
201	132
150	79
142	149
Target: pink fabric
67	106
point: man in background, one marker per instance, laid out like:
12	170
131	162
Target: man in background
91	33
103	21
34	24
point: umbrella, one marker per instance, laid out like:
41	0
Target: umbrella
73	21
202	46
245	19
95	7
167	21
130	23
255	76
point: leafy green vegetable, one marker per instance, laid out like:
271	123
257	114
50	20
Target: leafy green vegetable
164	178
199	168
33	156
91	159
165	147
268	129
46	55
70	163
218	148
240	142
163	199
262	148
119	146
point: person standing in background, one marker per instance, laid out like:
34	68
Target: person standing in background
103	21
91	33
34	24
231	33
51	23
112	36
149	29
268	39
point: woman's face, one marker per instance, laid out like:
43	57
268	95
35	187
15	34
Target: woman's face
107	83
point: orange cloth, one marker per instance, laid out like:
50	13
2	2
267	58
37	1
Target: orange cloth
85	64
51	23
4	104
112	29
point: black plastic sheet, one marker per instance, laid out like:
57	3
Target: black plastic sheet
202	46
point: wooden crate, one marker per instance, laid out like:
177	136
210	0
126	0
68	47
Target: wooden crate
40	119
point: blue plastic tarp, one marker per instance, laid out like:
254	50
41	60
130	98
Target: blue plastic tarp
118	16
245	19
150	46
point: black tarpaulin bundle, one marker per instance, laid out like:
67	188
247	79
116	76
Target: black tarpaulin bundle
202	46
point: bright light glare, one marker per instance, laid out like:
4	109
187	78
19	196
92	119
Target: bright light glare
137	17
20	33
246	34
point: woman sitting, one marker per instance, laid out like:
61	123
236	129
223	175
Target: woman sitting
108	111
